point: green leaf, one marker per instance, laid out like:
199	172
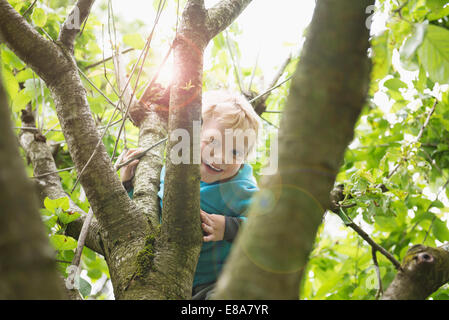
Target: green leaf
437	204
52	205
21	100
89	254
67	216
434	53
94	274
395	84
439	8
10	59
385	223
408	49
39	17
10	83
61	242
85	287
440	231
24	75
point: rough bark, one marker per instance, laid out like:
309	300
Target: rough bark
327	93
181	236
49	185
125	227
424	270
181	226
147	179
37	52
27	266
72	25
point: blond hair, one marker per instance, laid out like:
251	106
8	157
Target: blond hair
232	110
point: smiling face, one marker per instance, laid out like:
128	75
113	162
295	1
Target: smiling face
228	135
221	156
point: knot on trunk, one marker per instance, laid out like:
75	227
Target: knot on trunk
156	98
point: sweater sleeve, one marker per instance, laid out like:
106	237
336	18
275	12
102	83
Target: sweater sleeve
128	185
232	225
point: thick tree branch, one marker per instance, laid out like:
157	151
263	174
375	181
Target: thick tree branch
73	22
49	185
223	14
271	252
181	193
40	54
424	270
147	179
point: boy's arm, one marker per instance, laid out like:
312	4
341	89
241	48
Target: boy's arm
219	227
232	226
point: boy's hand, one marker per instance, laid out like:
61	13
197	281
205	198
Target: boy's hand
127	172
213	225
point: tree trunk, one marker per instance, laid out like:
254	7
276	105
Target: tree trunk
327	93
27	266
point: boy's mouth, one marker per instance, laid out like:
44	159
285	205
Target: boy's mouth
212	167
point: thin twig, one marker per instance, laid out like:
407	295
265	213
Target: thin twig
158	14
281	71
96	88
139	155
379	278
398	10
36	129
93	65
234	63
253	73
373	244
427	120
367	238
82	238
156	75
270	89
49	173
418	137
63	261
270	123
272	111
432	161
29	8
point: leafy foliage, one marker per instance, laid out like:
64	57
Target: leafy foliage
409	78
410	72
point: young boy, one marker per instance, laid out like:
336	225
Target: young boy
227	183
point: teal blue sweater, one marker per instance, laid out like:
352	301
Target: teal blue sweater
230	198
